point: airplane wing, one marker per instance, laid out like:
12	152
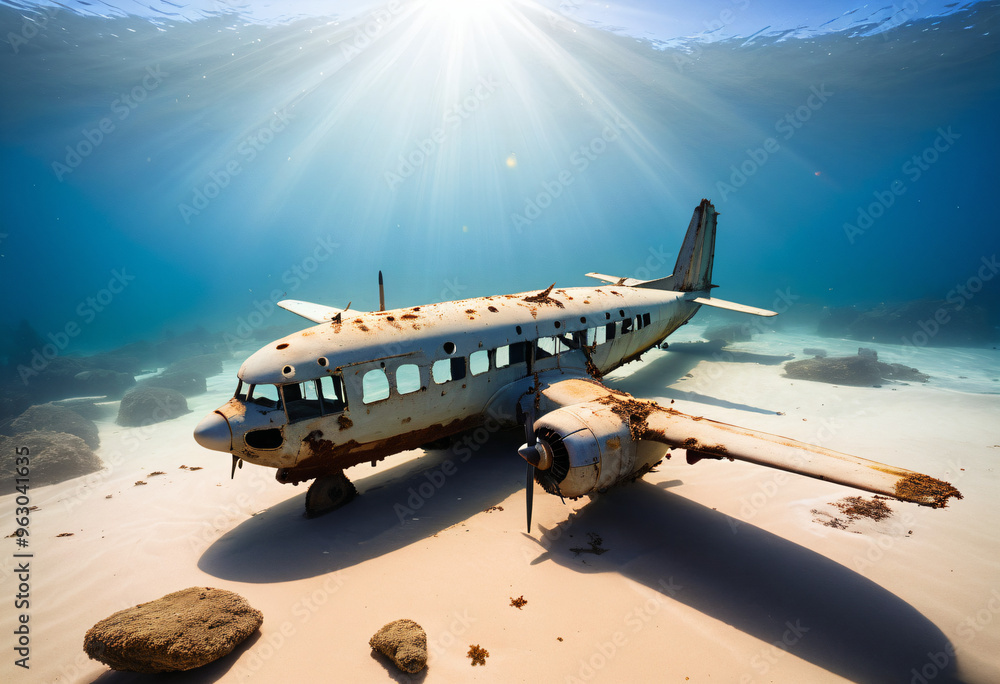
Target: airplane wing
316	313
586	426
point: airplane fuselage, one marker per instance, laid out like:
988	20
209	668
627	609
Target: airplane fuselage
373	384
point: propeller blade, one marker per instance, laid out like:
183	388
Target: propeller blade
530	492
232	474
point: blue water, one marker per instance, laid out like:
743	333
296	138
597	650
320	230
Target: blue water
171	165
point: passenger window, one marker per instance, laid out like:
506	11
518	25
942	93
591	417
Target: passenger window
479	362
332	389
638	322
458	368
374	386
502	356
645	319
609	330
569	341
547	346
626	326
518	352
441	371
407	378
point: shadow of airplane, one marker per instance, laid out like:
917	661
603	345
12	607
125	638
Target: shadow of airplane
784	594
768	587
397	507
661	376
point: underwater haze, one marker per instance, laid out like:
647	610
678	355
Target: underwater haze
179	164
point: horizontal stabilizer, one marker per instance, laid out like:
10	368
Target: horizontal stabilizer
615	280
317	313
733	306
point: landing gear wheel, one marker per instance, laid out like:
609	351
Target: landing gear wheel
328	493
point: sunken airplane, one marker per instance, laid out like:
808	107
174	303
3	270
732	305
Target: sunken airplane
361	386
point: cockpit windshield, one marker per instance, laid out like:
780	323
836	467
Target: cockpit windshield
262	395
314	398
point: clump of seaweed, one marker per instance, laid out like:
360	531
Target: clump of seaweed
595	546
855	507
926	490
633	411
478	655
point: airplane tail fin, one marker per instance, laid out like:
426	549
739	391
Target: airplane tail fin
693	270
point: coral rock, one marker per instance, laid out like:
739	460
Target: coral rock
49	418
55	456
404	642
148	405
180	631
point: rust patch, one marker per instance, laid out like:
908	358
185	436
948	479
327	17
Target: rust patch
327	458
409	317
544	297
344	422
926	490
493	309
614	443
633	411
592	369
470	311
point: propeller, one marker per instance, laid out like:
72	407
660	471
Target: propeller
537	453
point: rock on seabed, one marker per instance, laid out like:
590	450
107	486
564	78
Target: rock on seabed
404	642
180	631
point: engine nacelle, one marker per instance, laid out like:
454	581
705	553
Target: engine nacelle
592	449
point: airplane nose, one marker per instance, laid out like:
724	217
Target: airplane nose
213	432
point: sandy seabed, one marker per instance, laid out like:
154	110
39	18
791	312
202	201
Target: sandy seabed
717	572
